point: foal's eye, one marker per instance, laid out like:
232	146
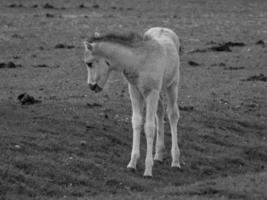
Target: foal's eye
90	65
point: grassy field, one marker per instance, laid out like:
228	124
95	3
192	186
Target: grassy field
74	144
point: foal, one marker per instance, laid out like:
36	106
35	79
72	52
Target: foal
151	66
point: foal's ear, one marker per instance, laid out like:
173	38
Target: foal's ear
88	46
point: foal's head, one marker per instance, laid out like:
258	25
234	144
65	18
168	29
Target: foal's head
98	68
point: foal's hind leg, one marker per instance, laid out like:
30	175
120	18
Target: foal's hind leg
151	109
137	122
173	116
160	147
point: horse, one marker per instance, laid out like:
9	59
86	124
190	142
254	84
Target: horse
150	64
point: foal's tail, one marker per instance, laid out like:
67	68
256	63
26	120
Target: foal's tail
176	41
181	49
179	46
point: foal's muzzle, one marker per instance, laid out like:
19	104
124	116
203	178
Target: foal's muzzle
95	87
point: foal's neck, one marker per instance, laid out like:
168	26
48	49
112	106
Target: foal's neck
122	57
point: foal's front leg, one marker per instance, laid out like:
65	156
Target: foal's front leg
137	122
151	108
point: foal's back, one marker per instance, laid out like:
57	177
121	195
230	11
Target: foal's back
169	41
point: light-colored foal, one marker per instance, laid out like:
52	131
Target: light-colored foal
151	66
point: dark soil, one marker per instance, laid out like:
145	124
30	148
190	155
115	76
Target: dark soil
9	65
26	99
64	46
259	77
193	63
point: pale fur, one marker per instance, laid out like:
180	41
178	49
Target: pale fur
151	68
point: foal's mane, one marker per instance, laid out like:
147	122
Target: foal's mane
129	39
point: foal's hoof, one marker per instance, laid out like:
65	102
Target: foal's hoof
176	165
158	158
147	176
131	169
